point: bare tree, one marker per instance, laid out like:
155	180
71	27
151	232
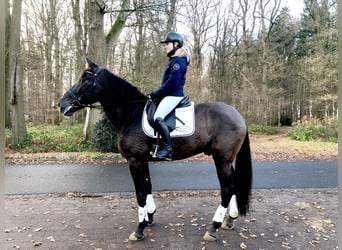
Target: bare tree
99	44
80	34
171	15
16	100
242	52
223	47
200	16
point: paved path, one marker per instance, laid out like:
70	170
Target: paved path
176	176
278	219
93	218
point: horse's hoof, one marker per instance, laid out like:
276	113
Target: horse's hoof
209	237
135	237
228	225
150	223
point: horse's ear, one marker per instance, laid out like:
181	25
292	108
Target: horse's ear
91	64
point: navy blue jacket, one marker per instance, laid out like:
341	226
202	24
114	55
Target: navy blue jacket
174	76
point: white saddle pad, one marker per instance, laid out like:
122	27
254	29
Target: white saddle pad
185	114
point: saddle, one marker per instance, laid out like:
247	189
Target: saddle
181	121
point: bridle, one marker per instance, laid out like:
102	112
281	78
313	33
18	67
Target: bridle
76	103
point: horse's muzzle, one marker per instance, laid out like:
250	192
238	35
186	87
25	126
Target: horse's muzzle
68	111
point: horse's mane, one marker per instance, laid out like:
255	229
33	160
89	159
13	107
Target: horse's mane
123	97
128	92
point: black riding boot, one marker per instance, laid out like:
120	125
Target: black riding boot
165	152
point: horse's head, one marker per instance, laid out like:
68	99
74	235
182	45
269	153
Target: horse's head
84	93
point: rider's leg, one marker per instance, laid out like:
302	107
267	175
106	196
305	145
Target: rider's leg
164	108
166	150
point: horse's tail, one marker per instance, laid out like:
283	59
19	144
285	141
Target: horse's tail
243	176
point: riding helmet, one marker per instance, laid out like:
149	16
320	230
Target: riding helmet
173	37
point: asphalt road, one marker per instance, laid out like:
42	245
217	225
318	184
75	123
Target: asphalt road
174	176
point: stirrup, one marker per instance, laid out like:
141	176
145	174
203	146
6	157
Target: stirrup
163	154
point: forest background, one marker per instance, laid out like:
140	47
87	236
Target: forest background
276	69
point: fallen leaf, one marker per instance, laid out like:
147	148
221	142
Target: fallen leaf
51	239
225	243
37	243
180	215
37	229
314	243
243	246
82	235
243	236
285	245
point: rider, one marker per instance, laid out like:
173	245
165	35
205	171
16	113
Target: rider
170	93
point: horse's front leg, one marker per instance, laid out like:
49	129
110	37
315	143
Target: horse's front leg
143	189
224	173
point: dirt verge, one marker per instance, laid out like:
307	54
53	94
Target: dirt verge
263	147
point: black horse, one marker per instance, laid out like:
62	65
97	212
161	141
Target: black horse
220	131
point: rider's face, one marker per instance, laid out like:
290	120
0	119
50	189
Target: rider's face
168	46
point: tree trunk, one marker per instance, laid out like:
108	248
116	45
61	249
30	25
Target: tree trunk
79	36
19	132
98	47
7	85
171	11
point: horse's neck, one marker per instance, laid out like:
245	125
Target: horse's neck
123	104
120	91
123	117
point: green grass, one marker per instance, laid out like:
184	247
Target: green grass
260	129
44	138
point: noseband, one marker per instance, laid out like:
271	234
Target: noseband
76	103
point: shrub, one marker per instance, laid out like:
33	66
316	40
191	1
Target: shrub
315	130
105	137
255	128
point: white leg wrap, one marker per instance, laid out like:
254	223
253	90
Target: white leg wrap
142	213
219	214
151	206
233	209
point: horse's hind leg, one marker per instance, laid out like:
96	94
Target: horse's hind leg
151	208
233	213
143	188
224	173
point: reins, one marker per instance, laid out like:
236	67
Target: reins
116	104
76	103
